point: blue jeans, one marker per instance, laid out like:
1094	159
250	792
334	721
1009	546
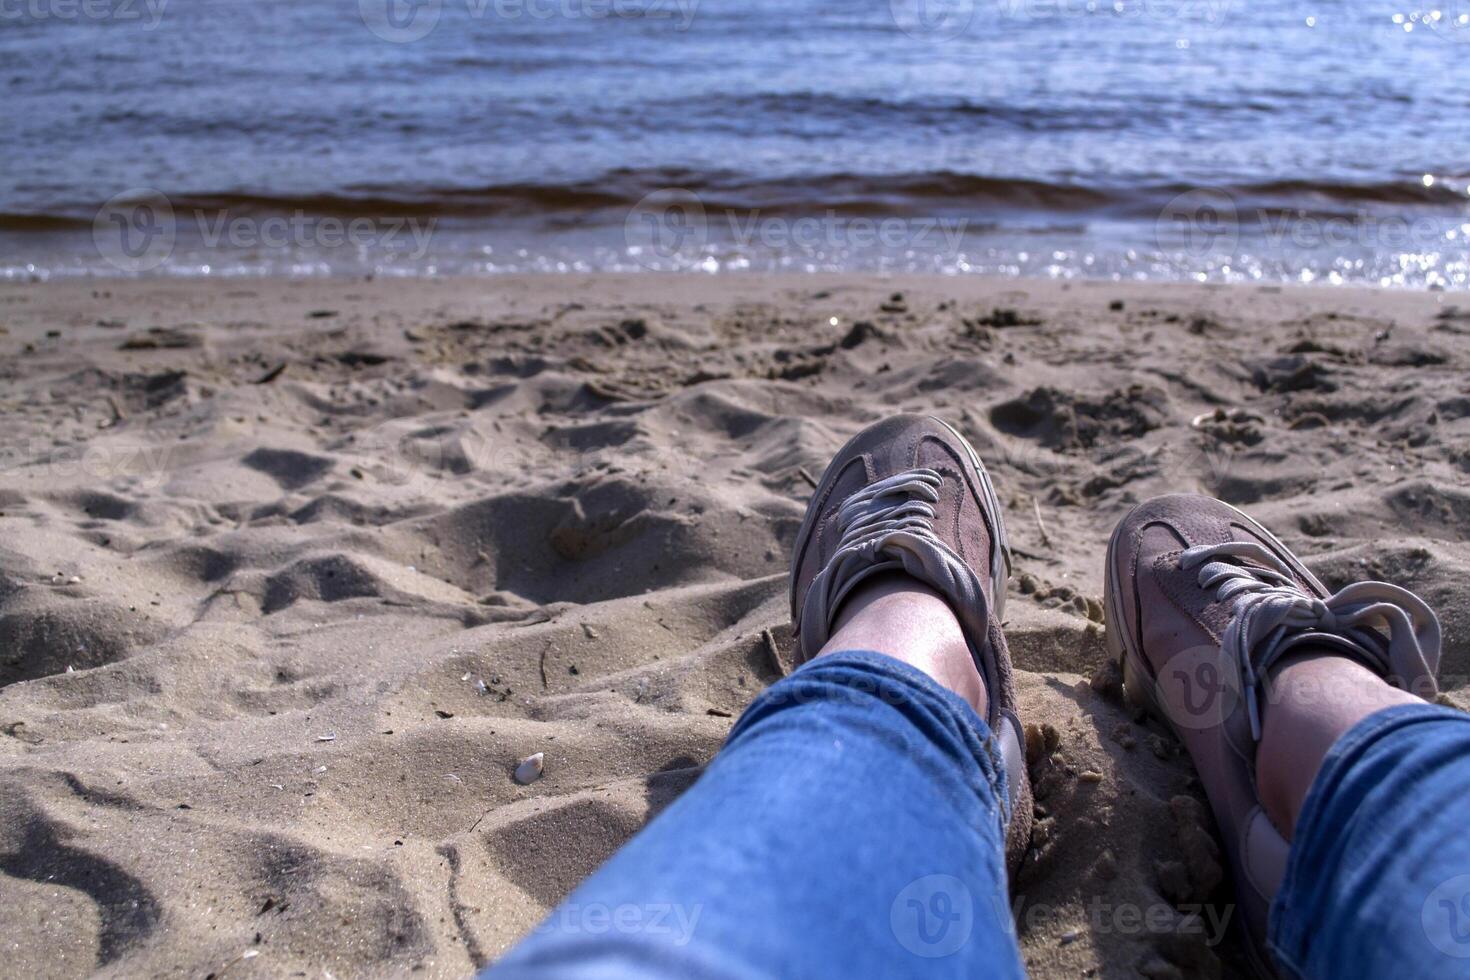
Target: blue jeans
1378	883
854	826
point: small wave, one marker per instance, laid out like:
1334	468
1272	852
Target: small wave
1409	191
609	197
12	222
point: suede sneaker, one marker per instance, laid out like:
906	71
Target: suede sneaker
1201	603
909	494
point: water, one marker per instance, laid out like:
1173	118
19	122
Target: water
1202	139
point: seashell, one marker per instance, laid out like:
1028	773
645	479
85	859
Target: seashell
531	768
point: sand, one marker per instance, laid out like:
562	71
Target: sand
294	574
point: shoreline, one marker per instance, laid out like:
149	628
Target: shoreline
18	276
962	284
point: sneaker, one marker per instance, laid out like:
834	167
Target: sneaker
1201	603
909	494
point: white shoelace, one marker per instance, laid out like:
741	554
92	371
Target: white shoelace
888	525
1271	615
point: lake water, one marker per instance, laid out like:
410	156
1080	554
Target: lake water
1169	139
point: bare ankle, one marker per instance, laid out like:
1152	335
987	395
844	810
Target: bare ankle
902	618
1312	701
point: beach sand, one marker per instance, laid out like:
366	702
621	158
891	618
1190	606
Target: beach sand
293	574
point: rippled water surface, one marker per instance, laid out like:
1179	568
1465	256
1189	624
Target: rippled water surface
1216	139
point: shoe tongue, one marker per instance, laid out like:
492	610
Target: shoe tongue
1268	572
921	557
1184	591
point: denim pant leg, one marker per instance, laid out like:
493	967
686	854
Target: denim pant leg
1378	883
852	826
